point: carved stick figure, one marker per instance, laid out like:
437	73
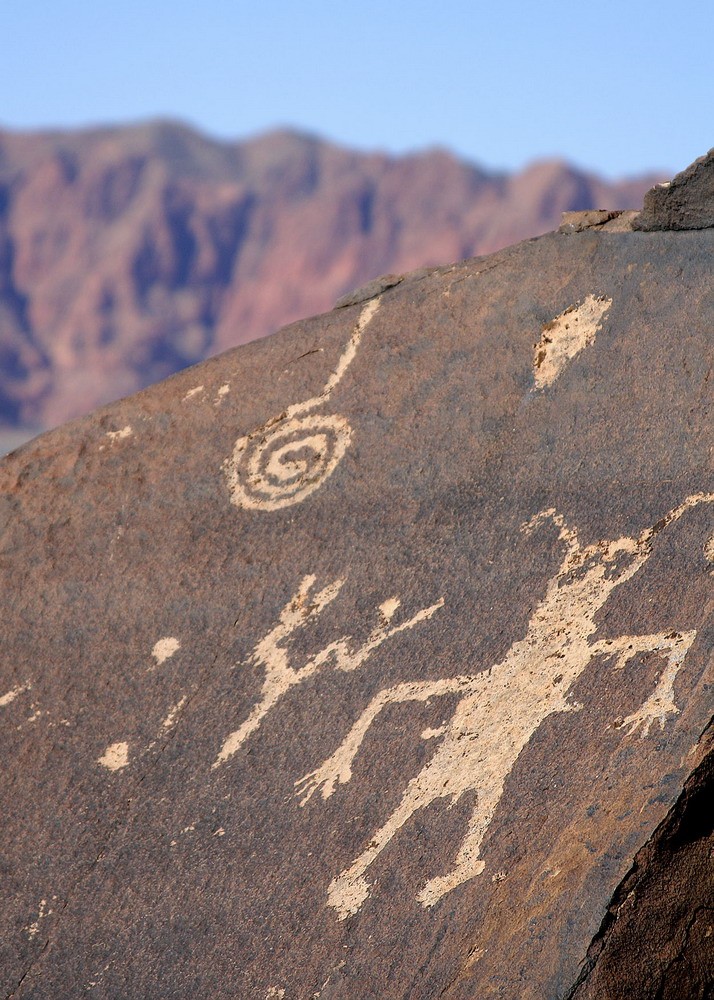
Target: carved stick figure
280	676
502	707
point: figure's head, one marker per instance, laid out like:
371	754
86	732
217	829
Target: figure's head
624	556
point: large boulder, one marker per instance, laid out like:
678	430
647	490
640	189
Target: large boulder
375	659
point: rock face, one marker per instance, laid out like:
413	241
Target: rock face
374	659
685	202
127	254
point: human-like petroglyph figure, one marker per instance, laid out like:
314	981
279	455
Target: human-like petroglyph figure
272	654
501	707
290	456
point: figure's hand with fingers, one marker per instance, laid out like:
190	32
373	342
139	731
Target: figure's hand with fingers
324	779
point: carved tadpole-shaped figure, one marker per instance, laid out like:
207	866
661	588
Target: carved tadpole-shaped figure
285	460
501	707
271	652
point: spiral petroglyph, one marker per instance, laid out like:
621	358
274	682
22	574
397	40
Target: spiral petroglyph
284	464
289	457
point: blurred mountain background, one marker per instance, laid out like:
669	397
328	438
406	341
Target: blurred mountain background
128	253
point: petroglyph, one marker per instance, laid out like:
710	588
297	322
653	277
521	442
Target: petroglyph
173	716
290	456
44	911
709	549
501	707
164	649
115	757
36	713
565	336
272	654
8	698
125	432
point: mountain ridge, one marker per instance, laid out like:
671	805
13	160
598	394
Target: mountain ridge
130	252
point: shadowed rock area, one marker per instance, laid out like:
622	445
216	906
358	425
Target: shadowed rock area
374	659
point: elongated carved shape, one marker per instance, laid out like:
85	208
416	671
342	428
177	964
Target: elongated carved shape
566	336
289	457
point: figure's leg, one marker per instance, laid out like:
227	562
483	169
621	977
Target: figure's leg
468	861
337	769
235	740
660	703
350	889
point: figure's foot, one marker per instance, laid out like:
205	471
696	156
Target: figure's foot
347	892
435	888
653	710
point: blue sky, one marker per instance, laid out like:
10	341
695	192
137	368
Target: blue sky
617	87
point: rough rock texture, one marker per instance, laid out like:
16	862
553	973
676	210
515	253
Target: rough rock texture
129	253
374	659
656	939
685	202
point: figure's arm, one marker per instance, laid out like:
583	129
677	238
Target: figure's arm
338	767
660	704
345	657
566	533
